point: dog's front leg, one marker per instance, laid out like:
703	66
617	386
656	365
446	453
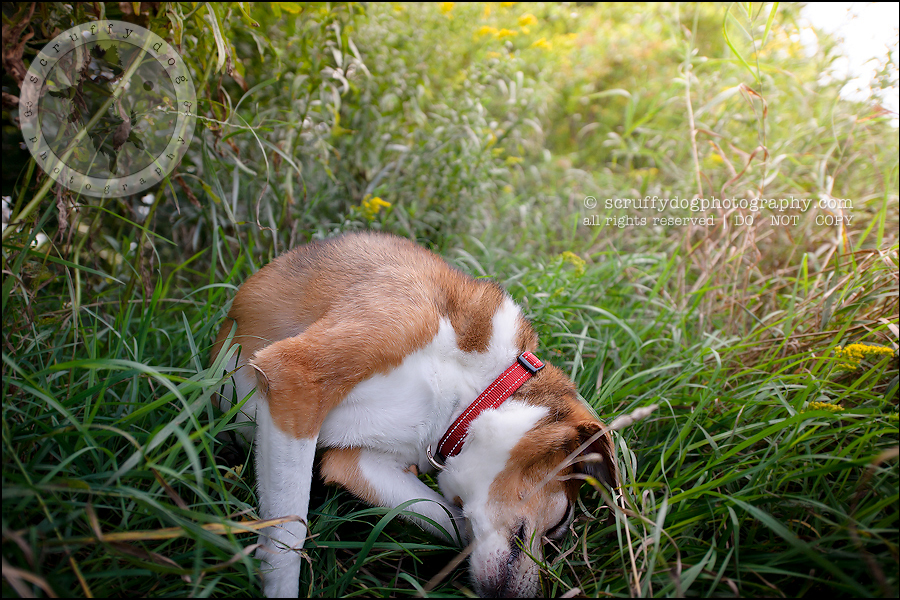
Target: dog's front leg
284	466
385	480
289	415
301	379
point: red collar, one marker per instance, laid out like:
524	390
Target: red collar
526	365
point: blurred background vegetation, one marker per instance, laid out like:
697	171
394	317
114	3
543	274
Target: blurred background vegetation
480	130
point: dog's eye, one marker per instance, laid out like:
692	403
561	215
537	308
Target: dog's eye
558	531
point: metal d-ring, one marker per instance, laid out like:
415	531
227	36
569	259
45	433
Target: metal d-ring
431	459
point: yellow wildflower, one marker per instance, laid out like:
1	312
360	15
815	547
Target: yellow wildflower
855	353
508	4
446	8
372	206
486	30
649	172
575	260
825	406
505	33
527	20
542	43
235	473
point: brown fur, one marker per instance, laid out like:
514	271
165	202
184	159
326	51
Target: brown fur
340	466
543	450
292	319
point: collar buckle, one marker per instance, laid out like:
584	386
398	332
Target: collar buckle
530	362
432	459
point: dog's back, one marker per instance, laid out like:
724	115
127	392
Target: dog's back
374	277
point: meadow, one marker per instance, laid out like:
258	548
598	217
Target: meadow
530	143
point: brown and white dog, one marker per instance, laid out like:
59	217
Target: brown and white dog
372	348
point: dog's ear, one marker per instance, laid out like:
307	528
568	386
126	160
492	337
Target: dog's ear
598	459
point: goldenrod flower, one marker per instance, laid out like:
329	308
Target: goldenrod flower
505	33
486	30
508	4
649	172
372	206
542	43
825	406
575	260
855	353
527	20
446	7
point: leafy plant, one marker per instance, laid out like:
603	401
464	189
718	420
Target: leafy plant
501	135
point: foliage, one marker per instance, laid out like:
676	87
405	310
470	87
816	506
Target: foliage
483	131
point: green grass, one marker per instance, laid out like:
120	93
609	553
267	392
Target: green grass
732	484
746	480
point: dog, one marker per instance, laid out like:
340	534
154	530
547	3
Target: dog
395	363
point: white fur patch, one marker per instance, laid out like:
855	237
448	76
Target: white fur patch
410	407
284	467
393	484
491	438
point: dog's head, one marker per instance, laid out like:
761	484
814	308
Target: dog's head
515	482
